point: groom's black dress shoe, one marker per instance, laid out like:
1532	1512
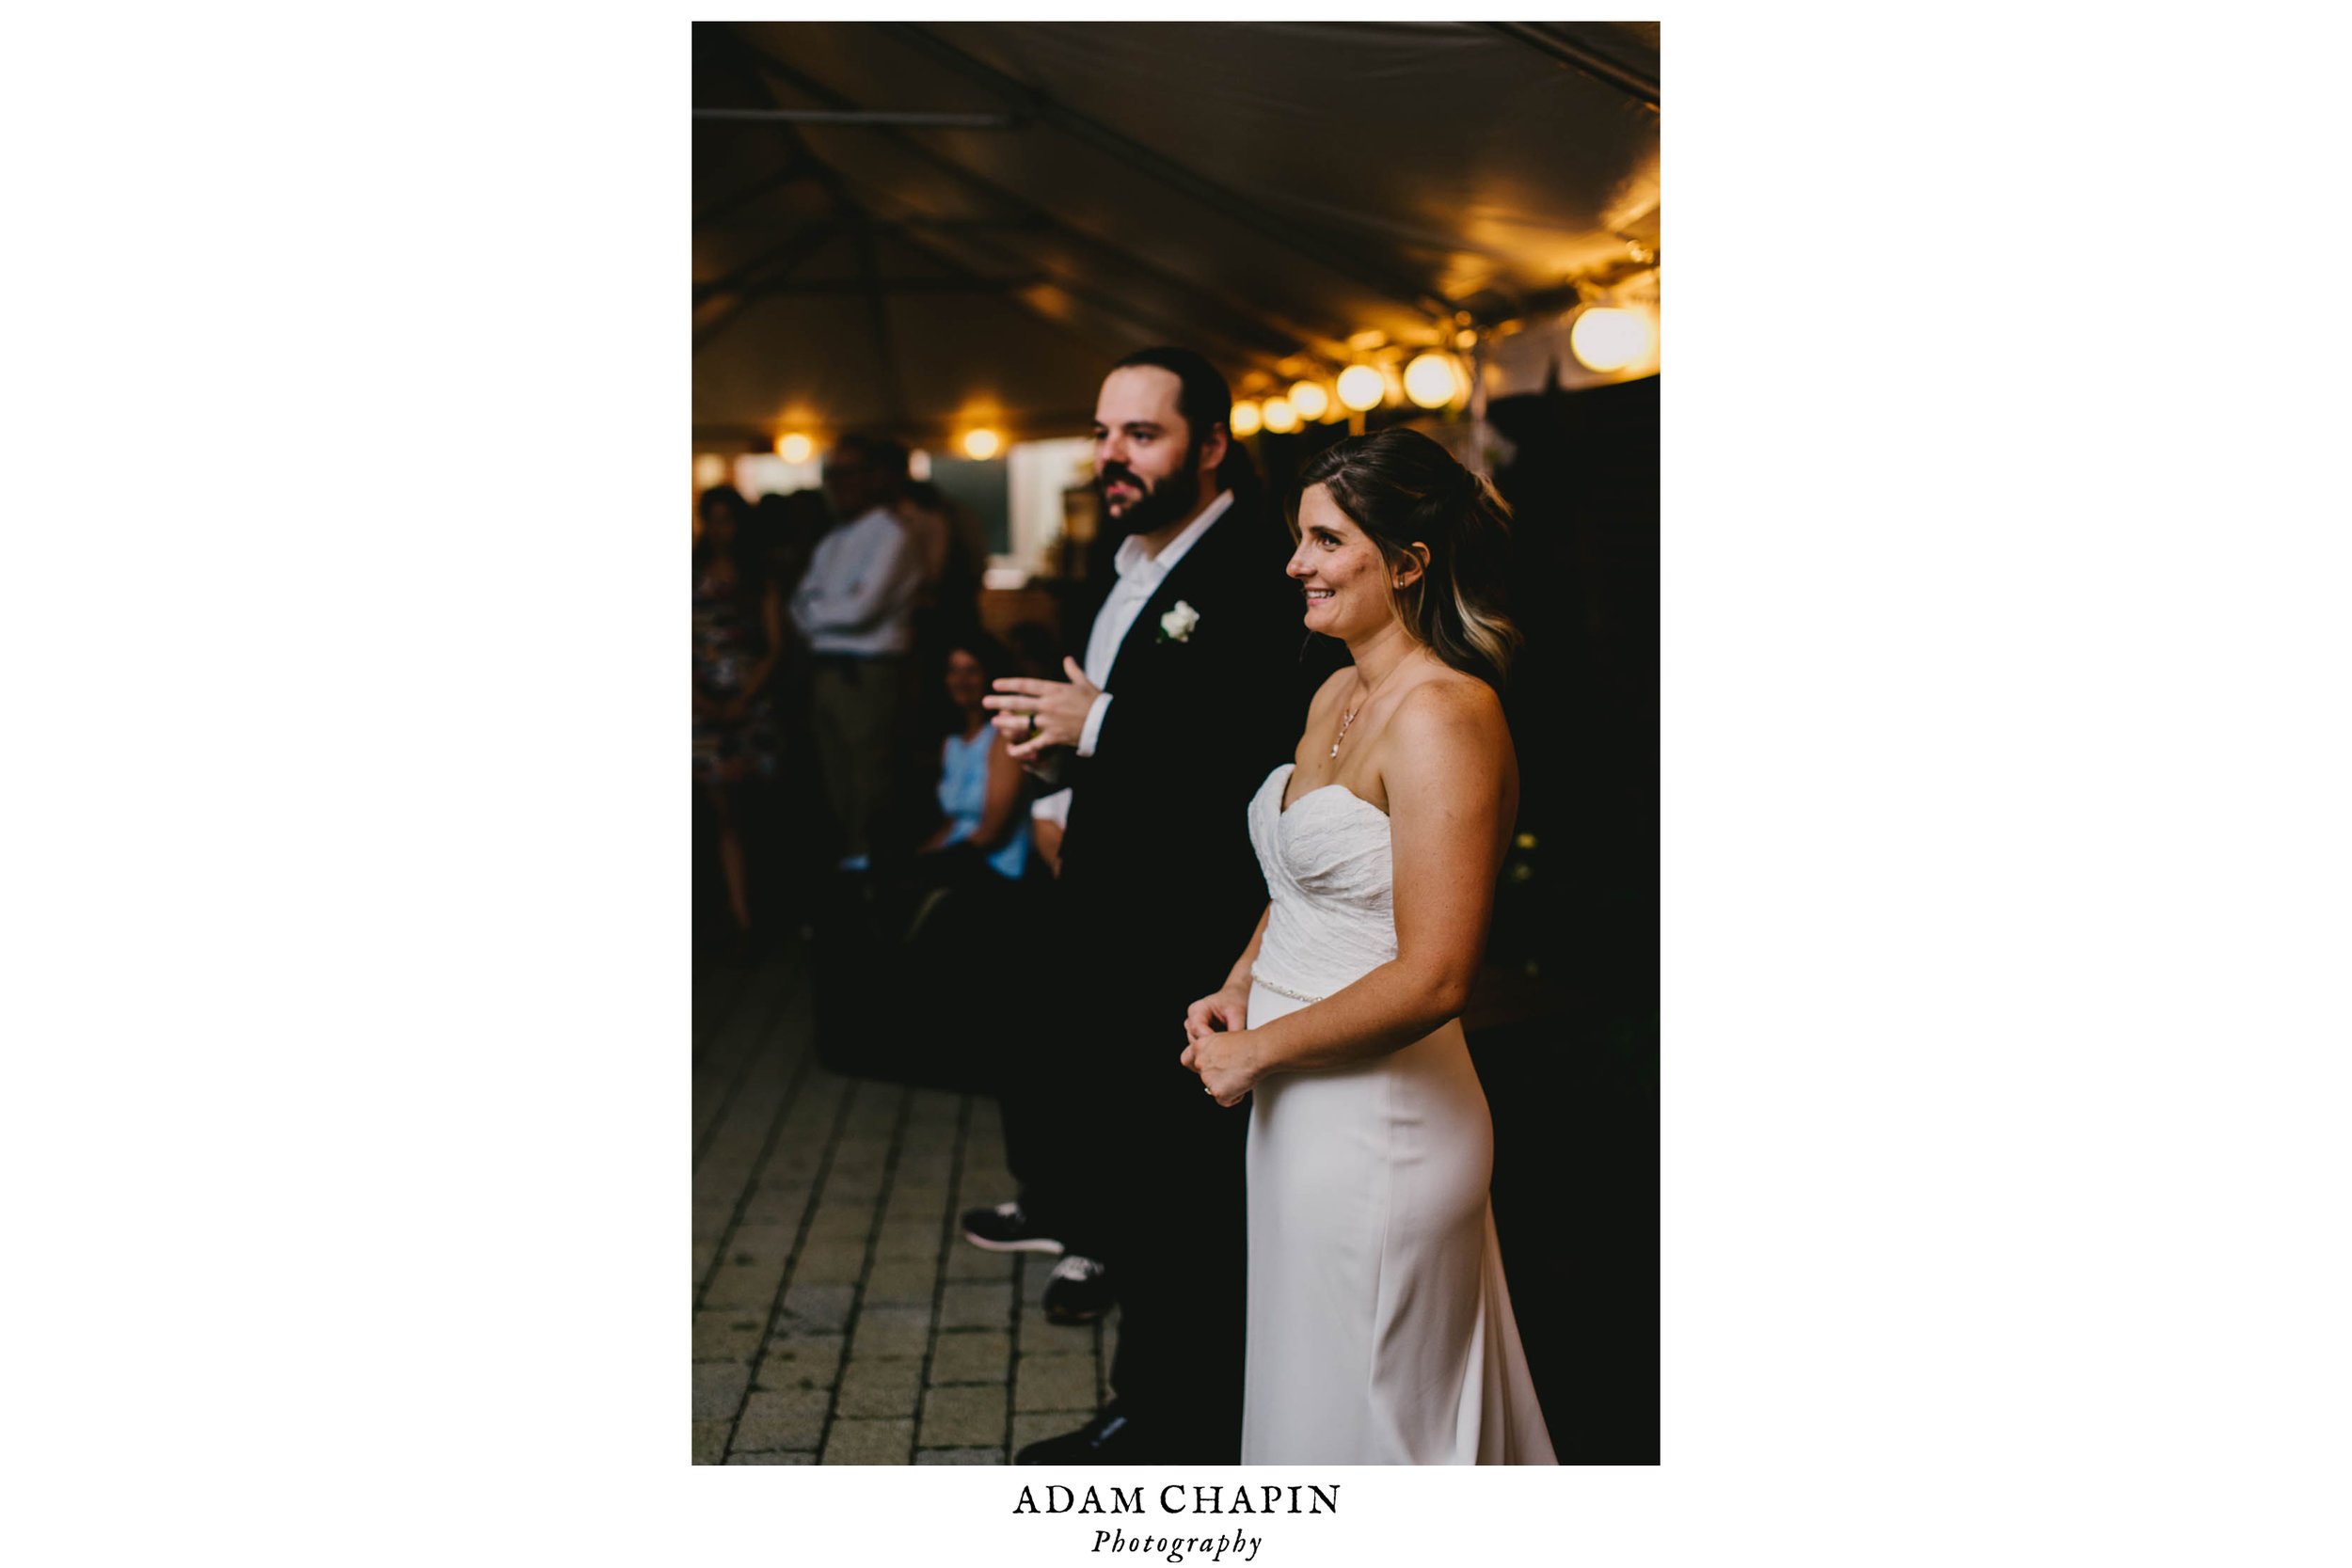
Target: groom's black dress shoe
1079	1291
1110	1438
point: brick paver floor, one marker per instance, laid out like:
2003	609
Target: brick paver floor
840	1317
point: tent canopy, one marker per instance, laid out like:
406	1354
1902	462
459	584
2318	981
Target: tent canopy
917	227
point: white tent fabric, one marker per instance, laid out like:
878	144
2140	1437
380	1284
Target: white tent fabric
1265	191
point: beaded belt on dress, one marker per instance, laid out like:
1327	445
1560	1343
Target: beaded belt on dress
1282	991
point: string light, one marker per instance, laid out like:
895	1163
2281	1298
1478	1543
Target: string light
981	444
1607	339
1361	386
795	448
1245	420
1281	417
1310	398
1430	380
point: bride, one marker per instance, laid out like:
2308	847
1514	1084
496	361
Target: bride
1380	1330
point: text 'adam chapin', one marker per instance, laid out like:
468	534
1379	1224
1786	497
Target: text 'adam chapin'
1178	1498
1173	1499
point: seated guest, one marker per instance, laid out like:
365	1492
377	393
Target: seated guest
980	787
966	894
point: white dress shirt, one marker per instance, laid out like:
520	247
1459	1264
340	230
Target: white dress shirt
860	585
1140	578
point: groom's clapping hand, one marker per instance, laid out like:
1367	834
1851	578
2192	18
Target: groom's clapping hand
1034	714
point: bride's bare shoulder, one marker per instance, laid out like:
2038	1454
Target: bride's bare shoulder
1450	725
1448	702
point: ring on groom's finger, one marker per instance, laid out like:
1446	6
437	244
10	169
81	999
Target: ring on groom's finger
1032	724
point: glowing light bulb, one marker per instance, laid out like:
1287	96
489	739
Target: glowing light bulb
1310	398
795	448
1607	339
1361	386
1245	420
1281	417
982	444
1430	381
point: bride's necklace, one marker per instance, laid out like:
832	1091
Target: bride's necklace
1349	717
1345	719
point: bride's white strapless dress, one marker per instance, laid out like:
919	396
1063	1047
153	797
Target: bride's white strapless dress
1380	1330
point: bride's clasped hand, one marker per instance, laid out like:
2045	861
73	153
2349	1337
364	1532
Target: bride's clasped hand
1219	1048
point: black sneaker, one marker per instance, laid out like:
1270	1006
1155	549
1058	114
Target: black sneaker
1079	1291
1006	1229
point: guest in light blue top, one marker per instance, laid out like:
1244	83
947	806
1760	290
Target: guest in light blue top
979	784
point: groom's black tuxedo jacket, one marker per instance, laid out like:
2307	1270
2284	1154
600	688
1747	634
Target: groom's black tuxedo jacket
1158	879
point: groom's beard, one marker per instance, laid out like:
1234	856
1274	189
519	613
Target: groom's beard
1161	504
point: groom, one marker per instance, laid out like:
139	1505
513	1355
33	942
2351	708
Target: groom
1192	689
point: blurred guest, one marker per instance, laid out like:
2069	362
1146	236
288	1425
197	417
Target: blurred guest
789	526
855	607
945	921
791	865
923	510
954	556
739	637
980	784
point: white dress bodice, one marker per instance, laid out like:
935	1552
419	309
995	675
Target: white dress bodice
1333	915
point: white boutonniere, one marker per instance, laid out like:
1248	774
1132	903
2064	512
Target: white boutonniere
1176	626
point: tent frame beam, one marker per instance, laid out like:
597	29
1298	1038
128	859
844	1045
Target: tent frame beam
1152	328
1261	331
793	170
847	209
752	281
769	265
1577	57
974	283
928	119
1134	154
1019	299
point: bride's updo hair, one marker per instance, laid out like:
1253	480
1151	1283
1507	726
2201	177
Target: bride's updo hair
1403	489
